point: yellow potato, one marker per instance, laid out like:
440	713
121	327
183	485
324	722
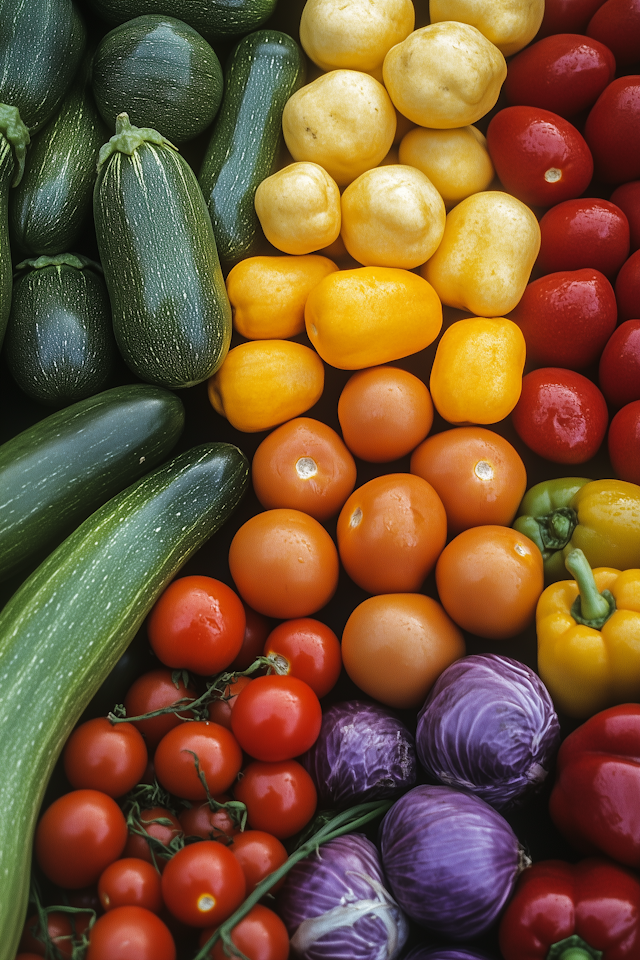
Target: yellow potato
456	161
299	208
510	24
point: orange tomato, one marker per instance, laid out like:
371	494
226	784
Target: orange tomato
303	465
390	533
384	413
284	564
489	579
478	475
395	646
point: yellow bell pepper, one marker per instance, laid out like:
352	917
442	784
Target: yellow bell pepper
589	638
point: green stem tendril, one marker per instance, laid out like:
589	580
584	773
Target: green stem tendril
590	607
15	132
347	821
40	929
573	948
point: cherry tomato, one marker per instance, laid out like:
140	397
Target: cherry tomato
539	156
307	649
478	475
617	24
130	882
260	935
78	835
566	318
154	690
284	563
627	197
384	413
218	753
628	288
564	73
561	415
202	821
567	16
280	797
623	441
197	624
612	131
63	929
151	835
100	755
130	933
304	465
585	233
276	718
203	883
259	854
256	632
395	646
619	369
390	532
220	710
489	580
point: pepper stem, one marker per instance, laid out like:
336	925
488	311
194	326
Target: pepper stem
573	948
590	607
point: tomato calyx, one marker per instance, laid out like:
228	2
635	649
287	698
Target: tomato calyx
235	808
78	939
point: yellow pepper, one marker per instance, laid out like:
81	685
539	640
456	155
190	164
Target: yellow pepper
589	638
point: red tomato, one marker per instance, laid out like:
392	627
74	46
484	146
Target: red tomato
586	233
218	753
612	131
220	710
151	835
627	197
130	933
256	632
260	935
280	797
276	718
619	370
617	24
567	16
100	755
539	156
203	884
623	441
63	929
566	318
202	821
564	73
79	835
130	882
197	624
154	690
561	415
628	288
259	854
307	649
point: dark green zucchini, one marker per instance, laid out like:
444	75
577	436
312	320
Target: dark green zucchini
162	73
51	206
171	312
41	47
215	19
59	342
68	624
14	139
263	71
55	473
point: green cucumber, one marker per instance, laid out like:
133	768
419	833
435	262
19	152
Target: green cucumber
59	342
57	472
67	626
162	73
263	71
171	312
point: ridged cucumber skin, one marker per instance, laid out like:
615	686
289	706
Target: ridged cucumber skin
215	19
162	72
170	309
7	170
59	343
263	71
72	619
57	472
52	204
41	46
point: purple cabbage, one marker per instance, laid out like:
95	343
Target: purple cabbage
488	727
451	860
443	953
363	753
335	904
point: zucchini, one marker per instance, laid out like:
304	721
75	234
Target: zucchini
68	624
216	20
57	472
162	72
59	343
171	312
264	69
41	47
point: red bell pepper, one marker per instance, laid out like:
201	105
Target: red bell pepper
584	911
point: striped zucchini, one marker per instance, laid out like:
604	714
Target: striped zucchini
215	19
66	627
171	313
